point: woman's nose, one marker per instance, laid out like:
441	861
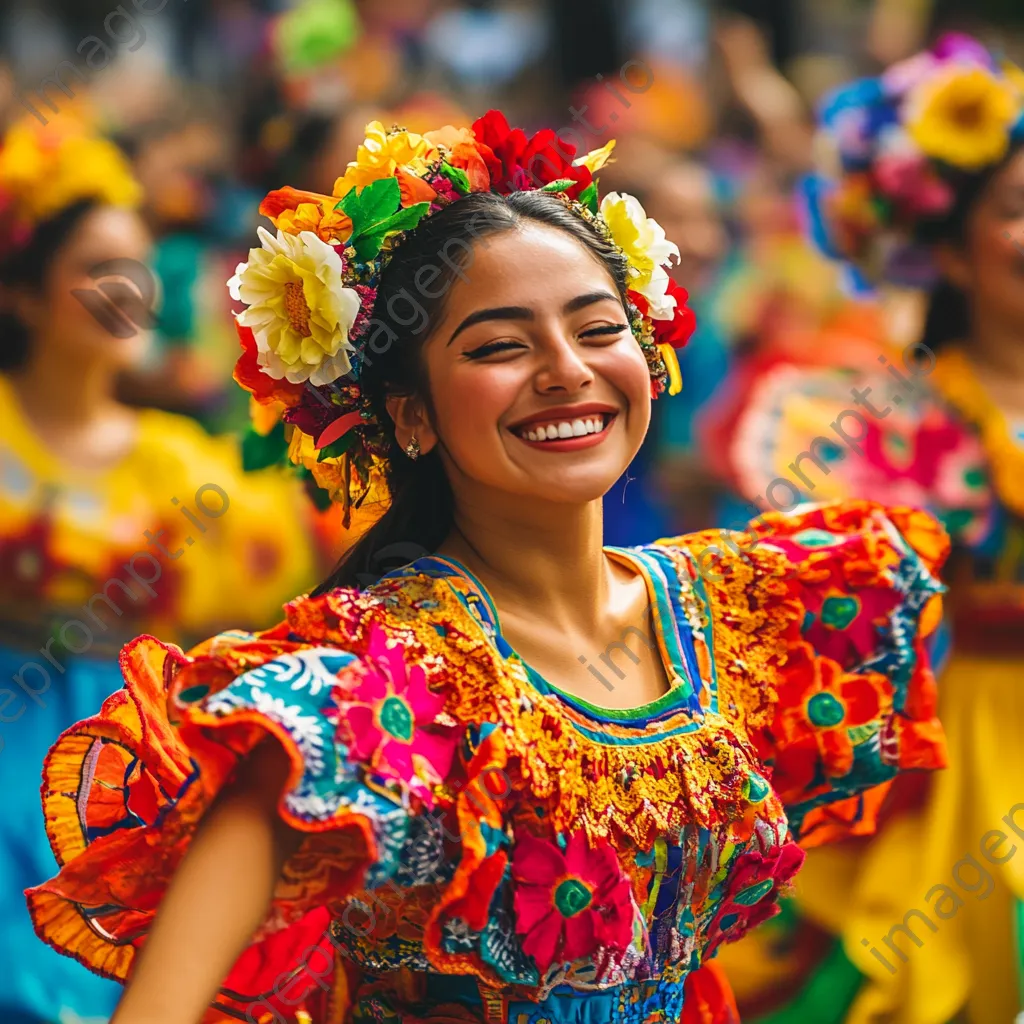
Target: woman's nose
563	367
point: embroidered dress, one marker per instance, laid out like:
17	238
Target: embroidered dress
943	445
482	845
82	571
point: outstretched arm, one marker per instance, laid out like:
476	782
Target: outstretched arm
217	899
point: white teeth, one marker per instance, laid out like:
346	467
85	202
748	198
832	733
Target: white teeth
557	431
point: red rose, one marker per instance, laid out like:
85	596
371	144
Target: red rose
520	163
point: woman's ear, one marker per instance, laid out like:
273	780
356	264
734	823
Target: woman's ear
954	265
411	420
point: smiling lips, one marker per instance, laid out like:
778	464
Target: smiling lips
563	435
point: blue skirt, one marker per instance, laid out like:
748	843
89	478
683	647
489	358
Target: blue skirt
37	985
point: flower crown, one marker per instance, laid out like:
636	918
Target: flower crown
891	151
309	290
46	168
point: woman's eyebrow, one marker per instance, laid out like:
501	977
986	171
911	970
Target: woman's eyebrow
525	313
498	313
574	305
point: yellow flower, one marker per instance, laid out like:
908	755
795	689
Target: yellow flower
963	117
647	250
299	310
596	158
381	153
329	227
329	474
48	170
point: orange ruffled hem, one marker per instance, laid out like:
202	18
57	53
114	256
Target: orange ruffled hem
129	788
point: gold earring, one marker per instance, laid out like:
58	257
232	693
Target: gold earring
412	449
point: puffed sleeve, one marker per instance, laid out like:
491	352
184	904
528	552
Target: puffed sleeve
124	791
822	621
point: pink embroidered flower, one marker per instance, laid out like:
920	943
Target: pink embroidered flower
568	905
752	896
388	720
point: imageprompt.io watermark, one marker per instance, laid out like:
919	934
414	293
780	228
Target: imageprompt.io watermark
123	300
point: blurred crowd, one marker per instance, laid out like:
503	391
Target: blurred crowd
215	102
218	102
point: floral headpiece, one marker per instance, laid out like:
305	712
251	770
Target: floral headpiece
310	289
891	151
46	168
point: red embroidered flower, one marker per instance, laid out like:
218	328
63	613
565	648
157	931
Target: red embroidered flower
677	331
521	163
754	884
388	720
568	905
819	704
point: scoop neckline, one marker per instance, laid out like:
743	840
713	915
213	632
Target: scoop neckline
681	685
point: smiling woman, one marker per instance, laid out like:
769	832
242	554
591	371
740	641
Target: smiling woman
239	808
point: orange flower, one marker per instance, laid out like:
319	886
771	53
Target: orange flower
465	153
293	210
413	189
468	157
449	136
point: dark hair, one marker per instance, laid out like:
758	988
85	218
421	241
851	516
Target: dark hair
949	311
425	265
27	268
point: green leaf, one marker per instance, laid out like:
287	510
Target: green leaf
367	243
457	177
260	451
337	448
371	205
588	197
559	185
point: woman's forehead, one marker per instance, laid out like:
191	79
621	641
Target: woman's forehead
536	263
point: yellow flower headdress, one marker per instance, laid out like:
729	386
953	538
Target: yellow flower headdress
892	151
46	168
309	290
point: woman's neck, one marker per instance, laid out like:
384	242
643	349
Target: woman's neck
63	394
545	559
71	407
996	351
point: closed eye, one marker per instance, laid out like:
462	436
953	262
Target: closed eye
608	329
491	347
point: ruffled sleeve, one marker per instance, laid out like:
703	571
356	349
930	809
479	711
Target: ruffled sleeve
124	791
822	619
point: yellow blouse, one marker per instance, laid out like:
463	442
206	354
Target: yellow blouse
174	537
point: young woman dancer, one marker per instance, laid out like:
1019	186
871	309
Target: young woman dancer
924	183
95	545
526	777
